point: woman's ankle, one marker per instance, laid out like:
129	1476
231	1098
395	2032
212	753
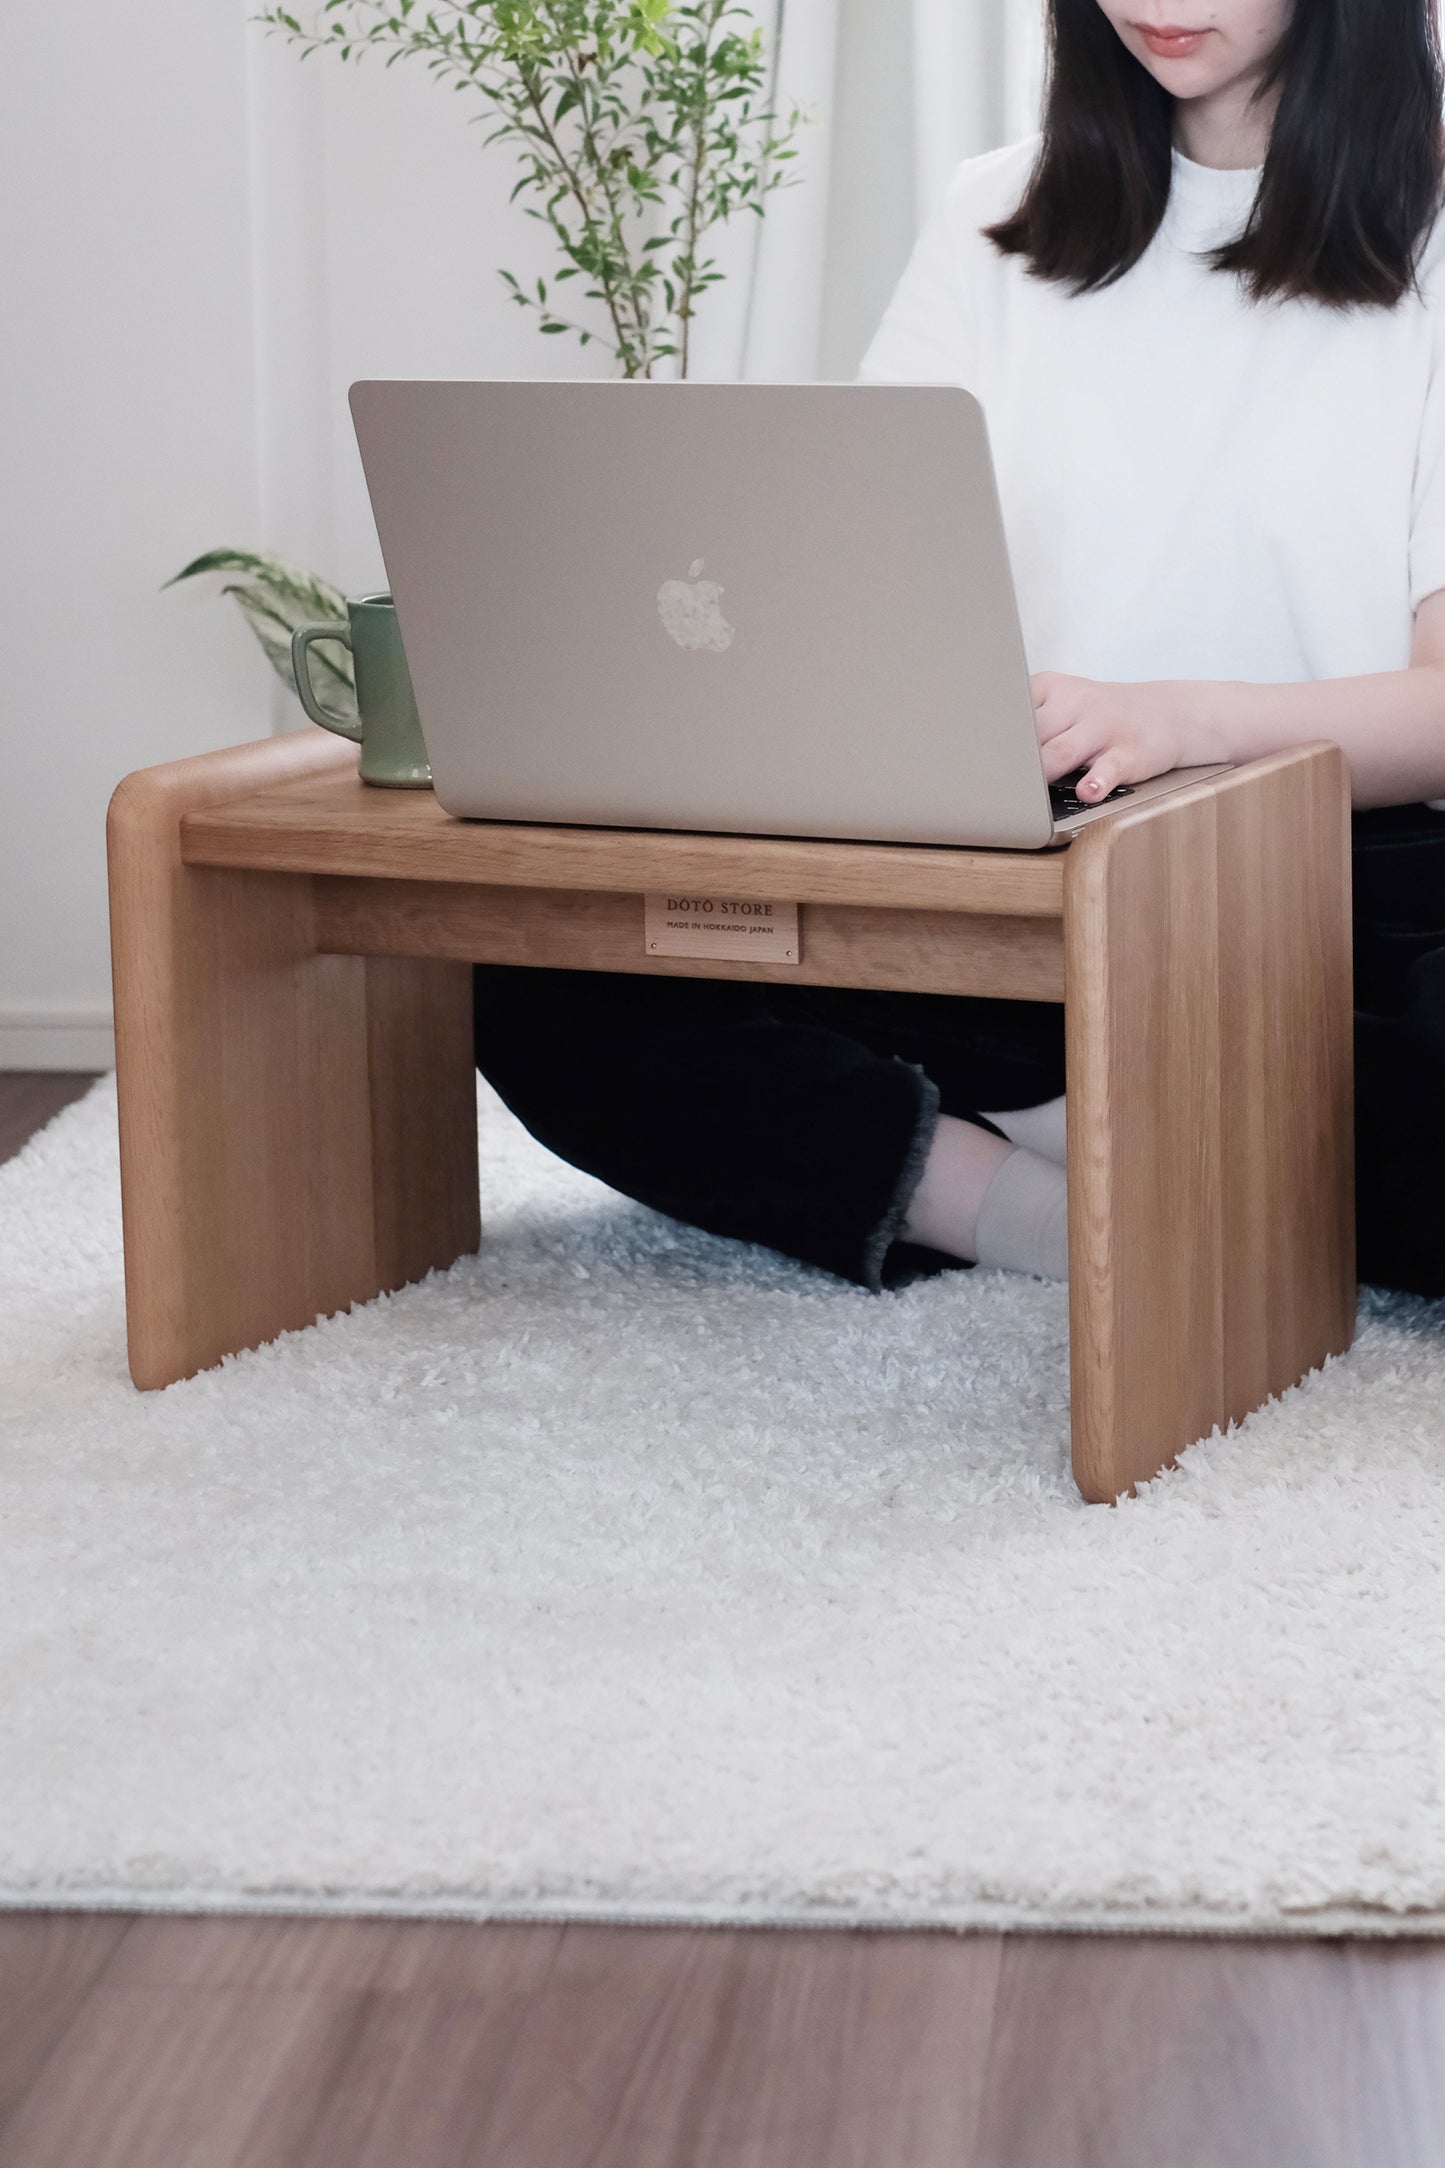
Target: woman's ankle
962	1164
1039	1129
991	1203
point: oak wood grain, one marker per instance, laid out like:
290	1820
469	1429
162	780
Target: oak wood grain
749	2049
842	944
246	2043
1397	2002
1134	2053
49	1961
171	2079
418	2073
264	934
326	821
297	1131
352	1956
1211	1175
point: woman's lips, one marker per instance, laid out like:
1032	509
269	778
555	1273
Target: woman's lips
1170	42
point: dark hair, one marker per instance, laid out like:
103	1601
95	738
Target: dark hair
1351	184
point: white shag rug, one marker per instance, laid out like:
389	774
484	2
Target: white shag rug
625	1573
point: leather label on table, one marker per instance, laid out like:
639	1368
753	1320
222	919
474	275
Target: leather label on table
735	926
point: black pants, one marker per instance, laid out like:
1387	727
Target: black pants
800	1116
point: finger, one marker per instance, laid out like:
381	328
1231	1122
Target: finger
1106	774
1056	721
1070	749
1051	720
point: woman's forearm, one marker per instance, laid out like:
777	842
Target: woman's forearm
1389	725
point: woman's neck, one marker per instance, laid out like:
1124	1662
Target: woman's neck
1228	128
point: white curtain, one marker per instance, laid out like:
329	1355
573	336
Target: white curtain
957	89
978	82
765	324
803	284
1024	67
376	231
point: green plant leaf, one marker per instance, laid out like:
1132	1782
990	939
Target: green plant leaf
623	116
275	597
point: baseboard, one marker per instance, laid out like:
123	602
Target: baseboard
56	1038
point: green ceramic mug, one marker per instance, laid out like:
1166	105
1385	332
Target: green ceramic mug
388	730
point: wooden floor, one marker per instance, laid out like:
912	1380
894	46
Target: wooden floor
133	2042
28	1100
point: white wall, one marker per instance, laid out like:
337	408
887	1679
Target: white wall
211	241
127	428
874	201
206	241
396	276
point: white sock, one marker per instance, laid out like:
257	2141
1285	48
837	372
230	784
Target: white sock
1023	1222
1037	1129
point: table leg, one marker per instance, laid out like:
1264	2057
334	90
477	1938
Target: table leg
298	1131
1211	1163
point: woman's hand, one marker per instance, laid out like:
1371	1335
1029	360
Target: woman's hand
1117	733
1390	725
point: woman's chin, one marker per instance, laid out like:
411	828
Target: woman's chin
1193	75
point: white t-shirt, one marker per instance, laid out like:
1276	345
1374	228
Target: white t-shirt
1194	486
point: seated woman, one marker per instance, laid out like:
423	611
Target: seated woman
1205	315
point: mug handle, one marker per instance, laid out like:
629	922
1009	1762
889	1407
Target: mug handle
301	641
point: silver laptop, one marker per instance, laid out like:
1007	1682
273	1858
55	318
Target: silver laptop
765	610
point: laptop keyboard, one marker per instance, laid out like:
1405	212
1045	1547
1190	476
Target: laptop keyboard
1064	796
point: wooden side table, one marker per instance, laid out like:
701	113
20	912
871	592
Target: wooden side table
294	1048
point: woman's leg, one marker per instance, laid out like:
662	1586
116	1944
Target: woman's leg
696	1098
1399	862
999	1064
799	1118
805	1120
991	1201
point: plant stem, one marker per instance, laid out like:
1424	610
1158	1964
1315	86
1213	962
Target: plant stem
693	195
600	168
654	150
624	349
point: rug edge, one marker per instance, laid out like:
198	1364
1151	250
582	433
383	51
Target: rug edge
1332	1924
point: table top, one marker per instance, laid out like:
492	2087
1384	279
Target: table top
329	822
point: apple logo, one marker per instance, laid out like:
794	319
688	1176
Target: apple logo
690	613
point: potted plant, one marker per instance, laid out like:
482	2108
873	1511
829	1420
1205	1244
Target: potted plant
638	127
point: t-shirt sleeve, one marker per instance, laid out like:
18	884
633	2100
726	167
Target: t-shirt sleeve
1427	519
927	333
